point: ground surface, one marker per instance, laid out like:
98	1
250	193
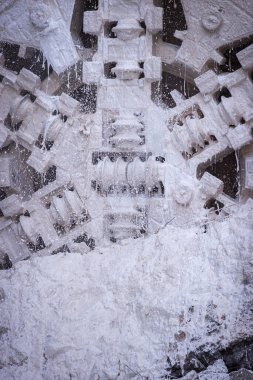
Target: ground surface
117	311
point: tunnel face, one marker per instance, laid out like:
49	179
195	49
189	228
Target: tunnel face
101	105
126	185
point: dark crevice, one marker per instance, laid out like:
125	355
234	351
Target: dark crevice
90	242
81	6
108	70
226	171
5	263
161	90
63	248
25	92
38	246
239	354
87	96
173	19
232	63
33	61
50	175
108	29
222	92
3	195
89	41
215	205
90	5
